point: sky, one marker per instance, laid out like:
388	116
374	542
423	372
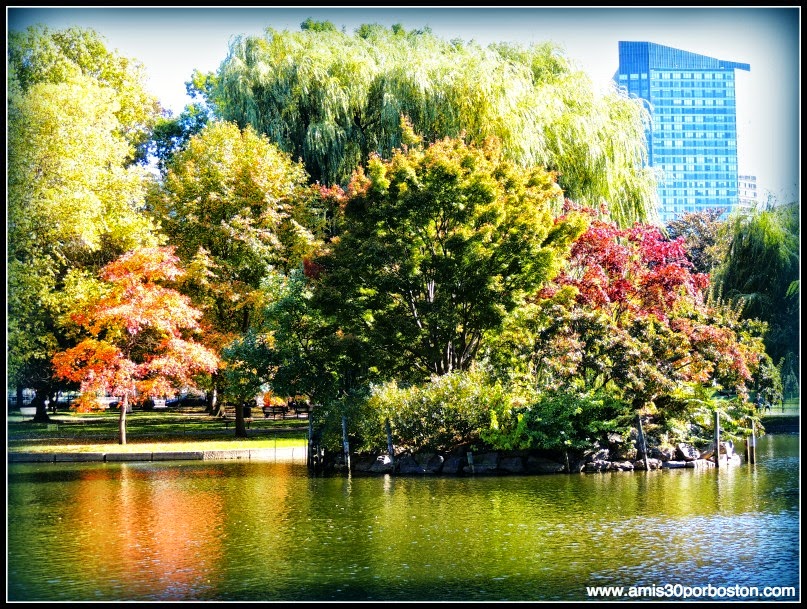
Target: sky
171	42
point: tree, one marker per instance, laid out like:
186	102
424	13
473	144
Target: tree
139	345
171	134
438	245
74	204
334	99
39	55
761	270
704	236
228	202
629	322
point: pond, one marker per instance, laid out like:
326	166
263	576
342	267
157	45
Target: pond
258	531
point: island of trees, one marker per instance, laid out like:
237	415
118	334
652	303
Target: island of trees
454	242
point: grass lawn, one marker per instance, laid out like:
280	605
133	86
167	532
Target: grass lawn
148	431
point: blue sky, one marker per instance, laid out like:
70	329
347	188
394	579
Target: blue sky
172	42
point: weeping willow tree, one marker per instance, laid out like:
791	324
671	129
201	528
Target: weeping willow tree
762	270
332	99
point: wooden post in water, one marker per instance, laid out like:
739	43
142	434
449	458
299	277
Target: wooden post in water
390	450
345	444
752	443
643	443
717	438
309	458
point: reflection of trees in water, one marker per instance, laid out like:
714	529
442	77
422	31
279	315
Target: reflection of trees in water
263	531
164	537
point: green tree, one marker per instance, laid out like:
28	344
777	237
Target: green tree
40	55
74	204
291	347
228	202
171	134
762	270
438	245
333	99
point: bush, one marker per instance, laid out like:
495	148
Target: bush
558	420
449	411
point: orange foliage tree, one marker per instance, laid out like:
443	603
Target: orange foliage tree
141	335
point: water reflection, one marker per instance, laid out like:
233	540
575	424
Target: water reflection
269	531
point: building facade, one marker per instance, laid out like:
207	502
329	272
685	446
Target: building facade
747	194
693	136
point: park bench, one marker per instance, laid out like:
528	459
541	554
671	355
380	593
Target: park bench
229	416
301	408
273	411
28	411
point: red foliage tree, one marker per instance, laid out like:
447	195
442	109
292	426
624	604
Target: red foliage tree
632	272
639	318
140	344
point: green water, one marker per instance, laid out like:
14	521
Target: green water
268	531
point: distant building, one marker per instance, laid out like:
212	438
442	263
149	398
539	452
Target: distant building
747	196
693	137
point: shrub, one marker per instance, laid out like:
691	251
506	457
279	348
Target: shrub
448	411
558	420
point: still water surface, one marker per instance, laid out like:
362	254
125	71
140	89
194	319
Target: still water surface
256	531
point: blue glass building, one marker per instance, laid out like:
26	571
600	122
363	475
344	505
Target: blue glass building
693	137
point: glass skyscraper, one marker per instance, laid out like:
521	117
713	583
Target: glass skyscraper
693	137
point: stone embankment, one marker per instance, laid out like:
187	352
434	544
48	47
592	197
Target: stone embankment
285	455
464	462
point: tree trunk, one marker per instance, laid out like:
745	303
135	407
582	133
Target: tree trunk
41	415
210	401
240	425
219	407
214	407
124	406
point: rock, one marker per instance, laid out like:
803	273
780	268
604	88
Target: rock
382	465
541	465
432	463
674	464
653	463
408	465
662	453
726	448
599	465
454	464
484	463
686	452
364	463
512	465
625	452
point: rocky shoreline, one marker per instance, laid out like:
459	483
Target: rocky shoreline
465	462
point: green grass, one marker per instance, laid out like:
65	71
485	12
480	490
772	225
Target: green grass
149	431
